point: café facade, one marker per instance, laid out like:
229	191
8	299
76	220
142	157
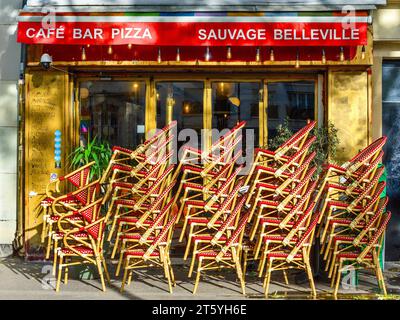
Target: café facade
119	69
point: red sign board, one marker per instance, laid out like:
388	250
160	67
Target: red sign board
195	33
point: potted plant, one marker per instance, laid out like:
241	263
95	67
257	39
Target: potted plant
94	150
325	145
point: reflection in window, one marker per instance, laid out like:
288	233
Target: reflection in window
234	102
113	111
184	100
294	101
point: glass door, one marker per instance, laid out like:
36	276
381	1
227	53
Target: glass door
293	101
181	101
233	102
113	111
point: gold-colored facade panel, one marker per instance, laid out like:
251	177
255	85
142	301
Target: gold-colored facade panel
348	110
46	98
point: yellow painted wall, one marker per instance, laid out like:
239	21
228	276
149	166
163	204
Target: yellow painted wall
46	103
348	110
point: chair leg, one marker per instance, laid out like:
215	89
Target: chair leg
167	274
60	266
267	278
106	270
66	270
49	241
196	284
171	272
130	276
100	270
339	273
240	276
117	239
125	276
245	256
193	260
44	227
189	243
55	250
285	277
183	229
120	260
379	275
310	278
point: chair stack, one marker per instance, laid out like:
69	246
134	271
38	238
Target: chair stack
281	201
353	214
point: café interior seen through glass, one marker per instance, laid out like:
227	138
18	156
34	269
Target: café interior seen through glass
114	111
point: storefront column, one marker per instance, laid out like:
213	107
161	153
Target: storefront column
348	111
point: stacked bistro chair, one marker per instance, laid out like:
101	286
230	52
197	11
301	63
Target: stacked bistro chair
130	174
152	251
354	214
82	243
59	189
222	252
281	197
207	179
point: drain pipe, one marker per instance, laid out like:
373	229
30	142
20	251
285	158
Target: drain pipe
19	241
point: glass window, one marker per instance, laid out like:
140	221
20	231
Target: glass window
391	128
233	102
114	111
185	100
294	101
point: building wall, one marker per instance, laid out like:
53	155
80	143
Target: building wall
9	73
386	47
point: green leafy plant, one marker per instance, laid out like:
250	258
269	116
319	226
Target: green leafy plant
325	145
94	150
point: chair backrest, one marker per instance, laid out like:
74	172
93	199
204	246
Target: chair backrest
296	140
381	207
367	191
225	188
91	212
86	194
376	240
306	240
79	177
226	205
158	221
369	151
236	237
155	188
300	205
230	220
163	238
371	204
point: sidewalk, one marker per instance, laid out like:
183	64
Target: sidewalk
29	280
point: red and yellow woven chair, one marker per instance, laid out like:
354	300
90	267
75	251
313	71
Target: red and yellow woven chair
152	254
286	224
343	209
220	256
281	205
83	245
59	188
138	202
130	227
217	233
358	236
295	255
283	154
126	157
357	257
344	222
78	199
198	202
